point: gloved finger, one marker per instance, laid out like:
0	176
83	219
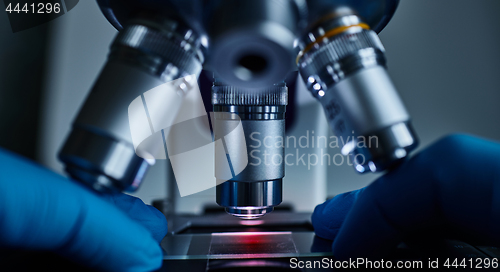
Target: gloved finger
41	210
148	216
328	217
453	183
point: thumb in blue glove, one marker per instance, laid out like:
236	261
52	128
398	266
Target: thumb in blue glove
329	216
40	210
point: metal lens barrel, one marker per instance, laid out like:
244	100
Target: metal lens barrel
255	190
145	54
342	63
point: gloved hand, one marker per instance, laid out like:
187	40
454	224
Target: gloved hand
453	185
40	210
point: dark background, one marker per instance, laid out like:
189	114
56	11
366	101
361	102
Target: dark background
22	62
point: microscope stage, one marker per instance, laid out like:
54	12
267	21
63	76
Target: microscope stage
220	236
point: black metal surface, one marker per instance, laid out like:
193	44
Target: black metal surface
376	13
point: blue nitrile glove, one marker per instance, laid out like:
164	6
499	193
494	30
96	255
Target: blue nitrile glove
454	184
40	210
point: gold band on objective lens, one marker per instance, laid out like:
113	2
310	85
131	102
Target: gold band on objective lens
330	33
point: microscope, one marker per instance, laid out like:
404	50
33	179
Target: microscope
250	46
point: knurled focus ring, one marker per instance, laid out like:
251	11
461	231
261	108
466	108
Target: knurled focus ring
339	47
166	45
229	95
338	58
